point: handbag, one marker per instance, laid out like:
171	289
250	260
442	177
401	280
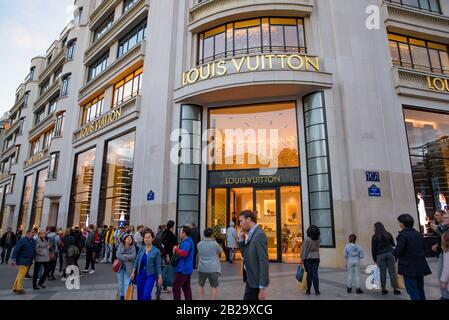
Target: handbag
300	274
168	276
130	291
117	265
174	260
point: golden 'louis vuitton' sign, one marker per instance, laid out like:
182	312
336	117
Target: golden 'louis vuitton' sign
294	62
438	84
99	124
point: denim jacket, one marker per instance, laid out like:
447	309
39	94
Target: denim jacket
153	261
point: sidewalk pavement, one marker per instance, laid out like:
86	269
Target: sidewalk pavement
103	285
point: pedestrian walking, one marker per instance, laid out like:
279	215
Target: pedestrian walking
90	251
231	242
209	267
253	245
382	244
53	252
196	237
138	237
42	260
184	266
410	252
22	257
108	241
7	242
147	268
126	254
444	278
310	258
169	241
440	229
353	255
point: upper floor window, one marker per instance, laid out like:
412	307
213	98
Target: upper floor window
78	15
39	116
105	26
63	42
98	66
128	87
49	59
71	49
48	137
52	106
92	110
252	36
53	166
35	147
59	127
427	5
127	4
26	98
134	37
44	86
419	54
31	75
57	74
65	85
8	143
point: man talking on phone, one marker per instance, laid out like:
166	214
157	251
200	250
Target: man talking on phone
253	244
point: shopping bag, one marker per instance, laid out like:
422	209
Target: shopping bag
300	274
401	282
168	276
303	284
130	291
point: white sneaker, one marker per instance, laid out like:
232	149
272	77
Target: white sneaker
91	271
85	270
63	279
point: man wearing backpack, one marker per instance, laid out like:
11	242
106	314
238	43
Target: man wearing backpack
90	251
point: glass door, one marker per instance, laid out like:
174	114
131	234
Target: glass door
266	206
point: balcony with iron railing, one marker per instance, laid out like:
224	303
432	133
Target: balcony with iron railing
47	94
415	20
209	13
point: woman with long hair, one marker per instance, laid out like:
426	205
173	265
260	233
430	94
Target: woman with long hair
382	245
310	258
126	254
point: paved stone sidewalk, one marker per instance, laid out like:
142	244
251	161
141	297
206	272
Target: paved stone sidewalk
103	286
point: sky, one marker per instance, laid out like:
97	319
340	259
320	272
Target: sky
27	29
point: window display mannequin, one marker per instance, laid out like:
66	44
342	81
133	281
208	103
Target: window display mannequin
422	212
443	201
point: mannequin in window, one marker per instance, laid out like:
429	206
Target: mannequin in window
422	212
443	201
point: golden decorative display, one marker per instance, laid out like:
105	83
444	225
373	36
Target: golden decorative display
99	124
295	62
438	84
36	158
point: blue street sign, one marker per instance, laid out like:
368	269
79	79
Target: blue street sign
372	176
374	191
150	196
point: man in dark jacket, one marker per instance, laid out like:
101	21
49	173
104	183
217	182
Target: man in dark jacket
196	237
410	251
169	240
7	242
22	257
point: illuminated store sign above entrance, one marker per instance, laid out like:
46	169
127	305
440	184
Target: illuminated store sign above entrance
438	84
294	62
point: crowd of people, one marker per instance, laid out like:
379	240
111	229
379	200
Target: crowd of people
164	259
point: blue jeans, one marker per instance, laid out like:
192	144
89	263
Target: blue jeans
145	285
444	292
311	266
354	273
123	282
415	287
